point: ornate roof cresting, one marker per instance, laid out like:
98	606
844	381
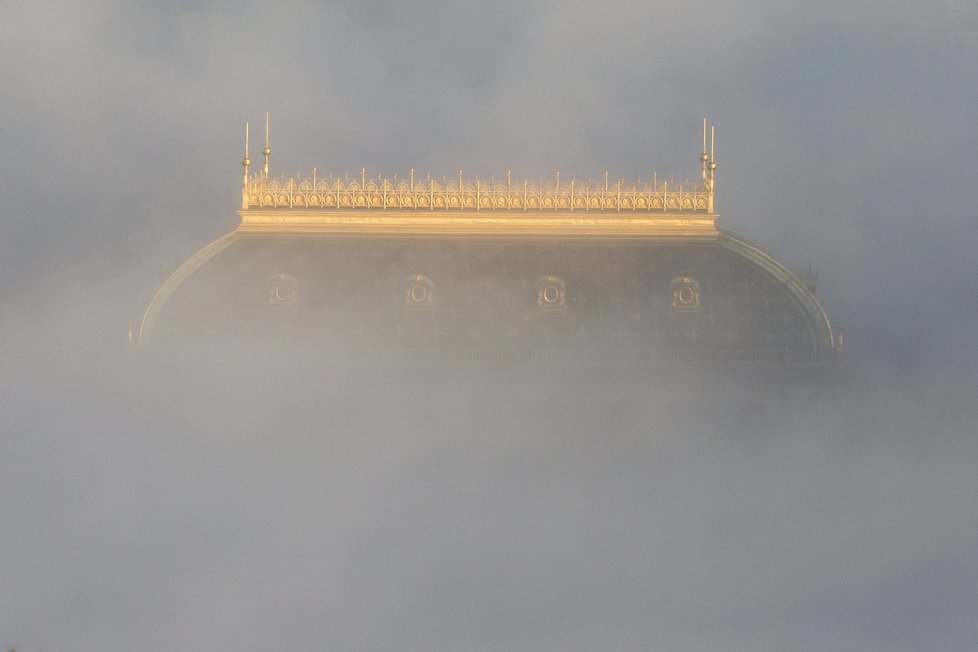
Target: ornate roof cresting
259	191
472	195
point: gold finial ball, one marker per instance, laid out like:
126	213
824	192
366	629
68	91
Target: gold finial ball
713	166
267	151
246	161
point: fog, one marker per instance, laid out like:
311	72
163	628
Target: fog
291	503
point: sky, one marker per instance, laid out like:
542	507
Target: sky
294	507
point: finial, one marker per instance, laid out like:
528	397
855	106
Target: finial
267	151
713	160
246	162
703	157
713	168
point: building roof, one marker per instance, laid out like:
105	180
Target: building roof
651	249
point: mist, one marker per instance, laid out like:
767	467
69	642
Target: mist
295	502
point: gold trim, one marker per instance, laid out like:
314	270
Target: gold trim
458	222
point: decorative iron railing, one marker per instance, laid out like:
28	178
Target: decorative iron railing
472	195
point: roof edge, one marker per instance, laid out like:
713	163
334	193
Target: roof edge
182	273
814	314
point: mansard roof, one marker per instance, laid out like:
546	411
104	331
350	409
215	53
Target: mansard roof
648	254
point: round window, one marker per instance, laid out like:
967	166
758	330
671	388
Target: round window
419	293
282	292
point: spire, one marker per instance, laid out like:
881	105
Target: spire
703	157
267	151
246	162
713	160
713	165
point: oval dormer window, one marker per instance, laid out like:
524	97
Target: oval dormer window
551	296
419	292
282	291
685	294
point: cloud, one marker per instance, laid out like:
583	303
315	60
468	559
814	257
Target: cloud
255	506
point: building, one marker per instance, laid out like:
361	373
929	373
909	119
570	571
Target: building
463	268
